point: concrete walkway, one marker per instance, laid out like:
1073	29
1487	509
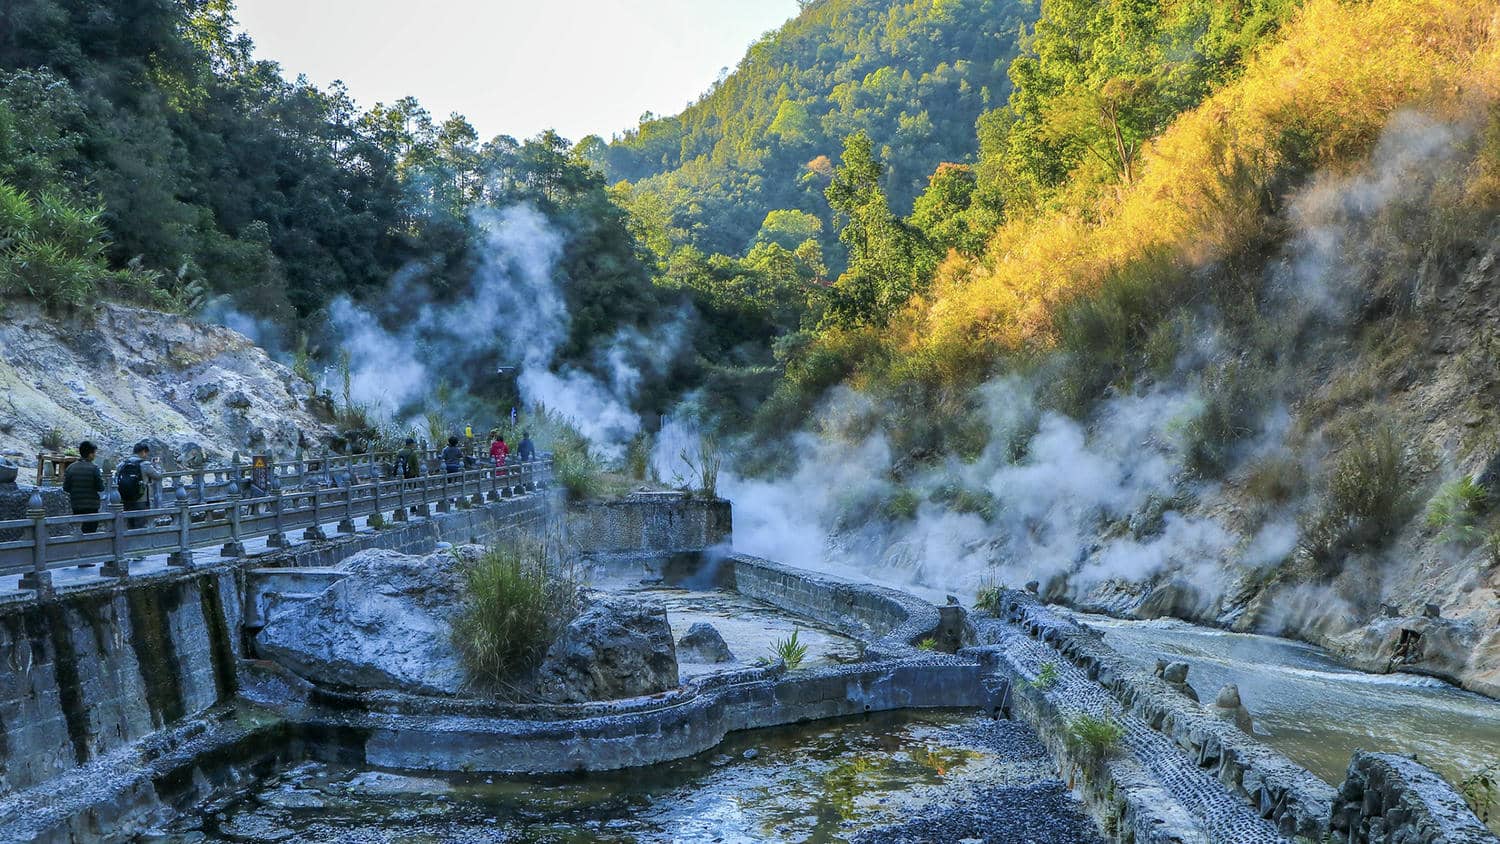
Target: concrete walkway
71	578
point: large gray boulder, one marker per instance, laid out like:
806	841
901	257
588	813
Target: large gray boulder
618	647
387	625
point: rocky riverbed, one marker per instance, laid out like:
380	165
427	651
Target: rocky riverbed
894	777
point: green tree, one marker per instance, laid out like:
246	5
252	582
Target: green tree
889	260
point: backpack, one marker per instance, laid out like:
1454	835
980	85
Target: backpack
128	480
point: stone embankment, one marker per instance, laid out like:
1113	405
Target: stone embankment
1184	772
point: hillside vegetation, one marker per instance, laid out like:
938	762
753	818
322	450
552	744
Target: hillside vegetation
1230	362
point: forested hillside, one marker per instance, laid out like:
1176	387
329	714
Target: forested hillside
146	153
1224	356
915	76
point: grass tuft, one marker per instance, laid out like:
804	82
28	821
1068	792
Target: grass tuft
517	597
1094	738
790	651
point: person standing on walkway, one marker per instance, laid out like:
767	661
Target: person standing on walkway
453	457
84	484
406	460
526	451
498	452
134	479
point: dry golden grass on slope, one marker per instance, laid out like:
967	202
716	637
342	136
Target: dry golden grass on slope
1318	97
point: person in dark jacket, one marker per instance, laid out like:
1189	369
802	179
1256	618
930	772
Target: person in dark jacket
134	479
84	484
526	449
406	460
453	457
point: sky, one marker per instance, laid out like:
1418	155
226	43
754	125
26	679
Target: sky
515	67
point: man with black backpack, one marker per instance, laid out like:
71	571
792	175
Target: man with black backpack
134	479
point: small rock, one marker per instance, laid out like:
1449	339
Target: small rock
237	399
703	643
1175	673
1033	586
1432	611
1390	610
751	753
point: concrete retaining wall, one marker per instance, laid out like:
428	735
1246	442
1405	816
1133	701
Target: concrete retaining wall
696	722
889	622
88	672
1278	788
650	525
1393	798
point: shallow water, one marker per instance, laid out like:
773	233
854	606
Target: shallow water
751	628
820	782
1316	711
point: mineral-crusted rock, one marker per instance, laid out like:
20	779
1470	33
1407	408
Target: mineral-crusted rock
387	625
703	643
616	648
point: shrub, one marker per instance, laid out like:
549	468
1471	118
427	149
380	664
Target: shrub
988	599
1093	738
1481	790
1230	397
573	462
928	644
1366	500
705	465
517	597
900	505
53	439
638	457
1456	508
790	651
1275	480
1046	677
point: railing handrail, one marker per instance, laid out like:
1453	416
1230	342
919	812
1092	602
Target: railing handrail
178	523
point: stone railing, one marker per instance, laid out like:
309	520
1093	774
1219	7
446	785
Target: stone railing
38	543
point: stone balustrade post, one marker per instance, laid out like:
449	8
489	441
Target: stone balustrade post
39	578
277	539
495	484
400	515
314	532
199	486
233	548
443	505
346	524
183	556
119	562
424	490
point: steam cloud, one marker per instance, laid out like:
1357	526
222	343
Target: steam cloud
1106	501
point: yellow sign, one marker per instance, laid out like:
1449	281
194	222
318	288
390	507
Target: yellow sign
469	431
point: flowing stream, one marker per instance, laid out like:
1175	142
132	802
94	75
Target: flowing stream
1316	711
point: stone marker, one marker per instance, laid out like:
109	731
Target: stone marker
1228	705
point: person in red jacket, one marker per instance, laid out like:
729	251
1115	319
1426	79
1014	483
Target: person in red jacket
498	450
